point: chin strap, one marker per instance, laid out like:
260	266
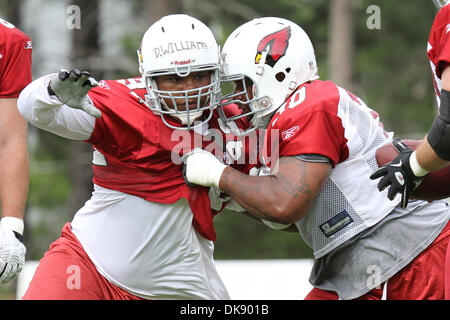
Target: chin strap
182	117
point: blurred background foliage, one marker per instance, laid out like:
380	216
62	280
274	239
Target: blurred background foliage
386	66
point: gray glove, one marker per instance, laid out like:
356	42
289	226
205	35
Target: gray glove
71	88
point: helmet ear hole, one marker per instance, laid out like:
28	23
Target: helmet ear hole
280	76
288	70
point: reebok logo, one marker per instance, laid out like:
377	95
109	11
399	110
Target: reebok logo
290	132
102	84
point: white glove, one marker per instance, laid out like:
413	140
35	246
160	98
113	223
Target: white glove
12	250
71	88
202	168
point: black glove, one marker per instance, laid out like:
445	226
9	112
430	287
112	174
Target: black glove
398	175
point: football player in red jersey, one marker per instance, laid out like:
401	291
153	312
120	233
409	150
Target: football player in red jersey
365	246
144	234
15	74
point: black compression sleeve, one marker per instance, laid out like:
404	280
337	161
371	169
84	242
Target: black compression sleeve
439	135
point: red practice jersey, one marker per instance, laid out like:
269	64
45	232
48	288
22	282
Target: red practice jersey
140	155
308	123
15	60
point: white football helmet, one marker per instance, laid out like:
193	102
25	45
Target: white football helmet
180	44
277	56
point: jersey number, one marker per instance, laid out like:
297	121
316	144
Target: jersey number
293	101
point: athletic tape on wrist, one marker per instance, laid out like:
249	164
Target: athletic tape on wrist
218	174
13	223
415	166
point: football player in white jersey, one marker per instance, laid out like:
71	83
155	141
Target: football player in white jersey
433	153
320	143
144	234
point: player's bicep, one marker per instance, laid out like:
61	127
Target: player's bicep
299	182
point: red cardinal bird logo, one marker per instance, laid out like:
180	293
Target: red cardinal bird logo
275	44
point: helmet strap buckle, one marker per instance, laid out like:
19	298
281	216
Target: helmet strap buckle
292	85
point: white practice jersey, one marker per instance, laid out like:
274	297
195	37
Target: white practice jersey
332	122
351	225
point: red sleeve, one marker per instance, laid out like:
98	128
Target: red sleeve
319	132
15	62
439	54
309	123
118	132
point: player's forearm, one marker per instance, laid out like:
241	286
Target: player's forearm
284	197
14	173
427	158
255	194
278	198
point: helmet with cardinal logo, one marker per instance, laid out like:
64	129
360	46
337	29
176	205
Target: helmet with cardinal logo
272	55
